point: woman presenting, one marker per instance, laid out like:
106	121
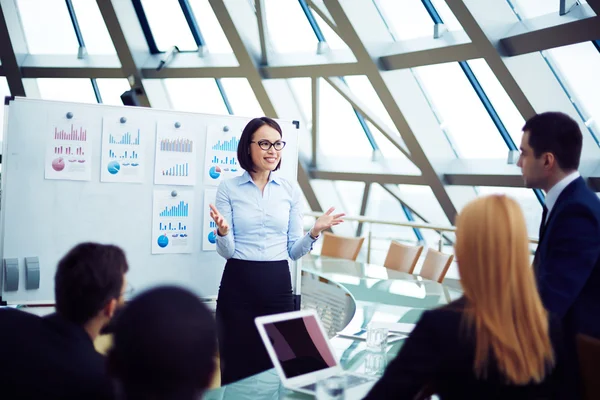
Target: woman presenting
259	221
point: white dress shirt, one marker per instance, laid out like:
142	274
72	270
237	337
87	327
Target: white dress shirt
263	226
557	189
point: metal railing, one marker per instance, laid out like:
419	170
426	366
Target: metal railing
375	221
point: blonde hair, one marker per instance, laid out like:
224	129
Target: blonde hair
504	307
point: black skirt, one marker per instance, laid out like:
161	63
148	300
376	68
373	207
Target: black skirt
249	289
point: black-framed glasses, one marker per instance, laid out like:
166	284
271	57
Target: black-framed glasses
266	145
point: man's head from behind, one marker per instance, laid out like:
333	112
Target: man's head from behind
89	283
164	345
550	149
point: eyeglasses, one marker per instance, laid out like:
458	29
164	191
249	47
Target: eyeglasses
266	145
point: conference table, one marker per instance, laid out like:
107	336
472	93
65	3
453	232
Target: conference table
349	295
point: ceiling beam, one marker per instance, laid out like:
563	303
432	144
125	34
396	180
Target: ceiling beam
439	55
12	39
381	178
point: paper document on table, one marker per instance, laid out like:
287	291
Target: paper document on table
401	327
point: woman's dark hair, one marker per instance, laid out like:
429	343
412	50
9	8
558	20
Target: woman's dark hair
87	278
164	345
243	150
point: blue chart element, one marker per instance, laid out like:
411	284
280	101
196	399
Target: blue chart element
214	172
230	145
125	139
177	170
163	241
171	227
112	154
180	210
114	167
212	237
226	160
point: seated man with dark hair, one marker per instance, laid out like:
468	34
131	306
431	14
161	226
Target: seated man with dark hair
54	357
164	346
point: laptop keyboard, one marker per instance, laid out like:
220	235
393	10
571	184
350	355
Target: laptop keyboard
351	381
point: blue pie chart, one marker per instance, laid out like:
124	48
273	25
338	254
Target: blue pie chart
214	172
114	167
163	241
212	237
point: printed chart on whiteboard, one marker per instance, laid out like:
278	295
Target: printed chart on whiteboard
221	154
175	155
123	155
210	227
172	222
68	151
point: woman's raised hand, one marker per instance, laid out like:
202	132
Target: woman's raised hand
222	224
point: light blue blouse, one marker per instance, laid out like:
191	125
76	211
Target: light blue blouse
263	226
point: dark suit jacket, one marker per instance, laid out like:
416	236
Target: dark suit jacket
567	261
438	358
49	358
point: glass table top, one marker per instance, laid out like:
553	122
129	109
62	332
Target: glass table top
380	295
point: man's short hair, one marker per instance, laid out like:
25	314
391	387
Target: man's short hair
243	150
556	133
88	277
164	343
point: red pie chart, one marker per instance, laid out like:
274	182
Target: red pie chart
58	164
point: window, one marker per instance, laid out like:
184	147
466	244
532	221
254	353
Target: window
288	28
508	113
212	32
199	95
66	89
93	29
112	89
578	65
473	134
168	25
241	97
47	26
406	19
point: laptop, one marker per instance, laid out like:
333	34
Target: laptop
302	354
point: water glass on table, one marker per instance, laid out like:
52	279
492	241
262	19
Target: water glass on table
377	338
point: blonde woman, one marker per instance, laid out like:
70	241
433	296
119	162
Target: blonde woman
497	341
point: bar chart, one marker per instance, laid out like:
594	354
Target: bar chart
224	160
177	145
68	150
229	145
213	224
178	170
171	226
74	134
180	210
125	139
126	154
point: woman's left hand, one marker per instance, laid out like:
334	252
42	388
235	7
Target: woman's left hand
326	221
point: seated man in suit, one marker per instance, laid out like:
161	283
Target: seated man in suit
567	260
54	357
164	346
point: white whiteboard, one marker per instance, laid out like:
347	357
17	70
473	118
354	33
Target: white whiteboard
44	218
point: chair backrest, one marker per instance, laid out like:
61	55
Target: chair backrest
401	257
341	246
588	349
436	265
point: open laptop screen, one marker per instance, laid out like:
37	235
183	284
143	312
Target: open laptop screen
300	346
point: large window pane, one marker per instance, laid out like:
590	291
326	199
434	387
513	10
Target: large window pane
333	40
407	19
340	133
168	25
528	9
65	89
447	16
288	28
112	89
209	26
508	113
195	95
578	65
93	29
47	26
241	97
473	134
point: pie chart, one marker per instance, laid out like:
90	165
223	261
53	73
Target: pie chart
114	167
212	237
163	241
58	164
214	172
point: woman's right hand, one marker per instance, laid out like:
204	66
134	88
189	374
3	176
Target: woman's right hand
222	225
